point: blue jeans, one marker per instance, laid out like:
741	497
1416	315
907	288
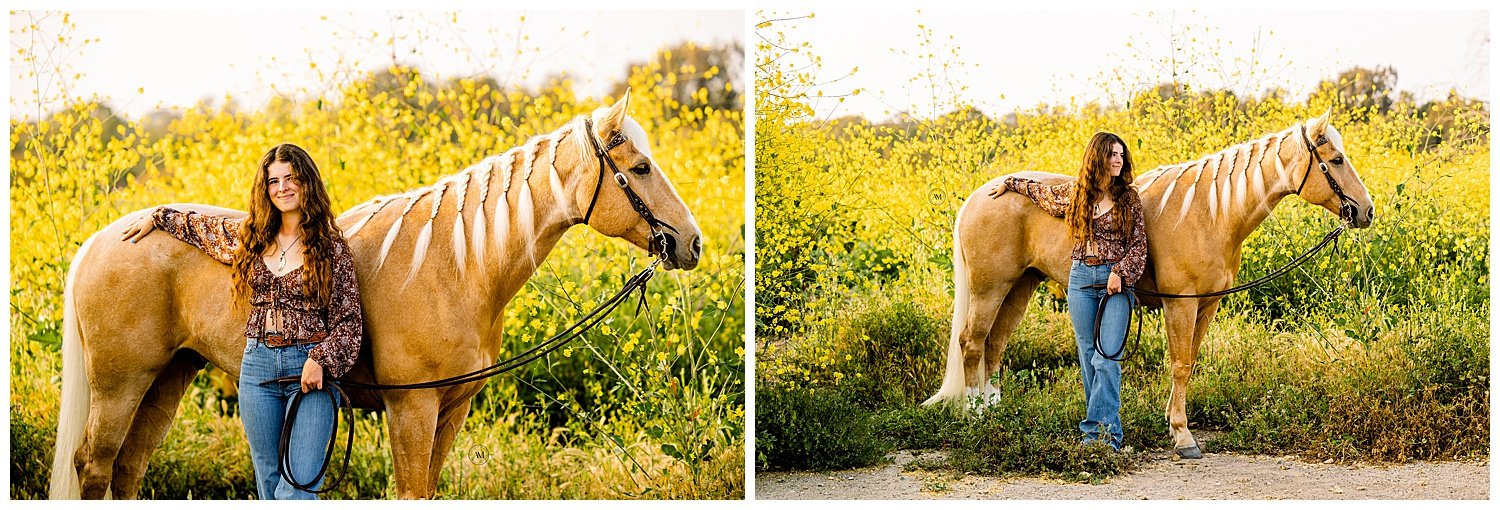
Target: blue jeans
1101	375
263	411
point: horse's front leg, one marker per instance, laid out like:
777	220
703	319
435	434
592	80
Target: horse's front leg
1181	317
449	422
1206	312
413	416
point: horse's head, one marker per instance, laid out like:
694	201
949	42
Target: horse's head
1329	179
635	201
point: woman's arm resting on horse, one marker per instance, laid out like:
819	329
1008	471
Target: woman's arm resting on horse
1053	199
217	236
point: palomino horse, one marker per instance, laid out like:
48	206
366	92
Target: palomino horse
1198	214
142	320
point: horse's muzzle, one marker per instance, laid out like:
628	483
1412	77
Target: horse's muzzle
679	257
1360	217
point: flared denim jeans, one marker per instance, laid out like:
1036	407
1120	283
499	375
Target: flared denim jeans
1101	375
263	409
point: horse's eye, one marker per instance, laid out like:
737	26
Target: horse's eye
1337	160
641	169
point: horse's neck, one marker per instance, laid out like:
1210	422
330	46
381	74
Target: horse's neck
496	221
536	208
1230	192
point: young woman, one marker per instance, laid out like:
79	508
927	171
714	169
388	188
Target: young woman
291	263
1104	218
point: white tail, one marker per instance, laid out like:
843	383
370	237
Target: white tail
952	390
73	413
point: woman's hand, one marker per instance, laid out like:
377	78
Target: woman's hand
139	229
999	189
312	376
1115	285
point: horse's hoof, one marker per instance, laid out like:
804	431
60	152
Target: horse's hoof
1191	452
990	397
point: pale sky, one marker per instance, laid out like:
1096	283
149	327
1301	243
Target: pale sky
1034	57
180	57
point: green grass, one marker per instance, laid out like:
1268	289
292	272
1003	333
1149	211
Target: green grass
1419	393
508	453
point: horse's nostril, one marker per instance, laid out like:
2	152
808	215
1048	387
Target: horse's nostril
697	245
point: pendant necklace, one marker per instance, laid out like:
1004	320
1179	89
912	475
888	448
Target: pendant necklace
281	266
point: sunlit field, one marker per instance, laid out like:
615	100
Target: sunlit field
644	406
1375	351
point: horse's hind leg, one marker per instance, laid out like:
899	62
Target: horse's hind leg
152	421
113	407
1011	312
984	304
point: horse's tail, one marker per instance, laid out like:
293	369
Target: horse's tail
74	411
952	390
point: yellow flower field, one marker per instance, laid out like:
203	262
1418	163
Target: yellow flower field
648	406
854	287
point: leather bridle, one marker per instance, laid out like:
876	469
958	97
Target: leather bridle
658	237
1347	206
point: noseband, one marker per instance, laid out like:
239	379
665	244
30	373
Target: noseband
1347	206
635	200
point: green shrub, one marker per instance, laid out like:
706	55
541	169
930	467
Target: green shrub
30	453
898	349
920	427
812	428
1013	440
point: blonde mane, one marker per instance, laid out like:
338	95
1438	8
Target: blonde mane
1237	177
538	150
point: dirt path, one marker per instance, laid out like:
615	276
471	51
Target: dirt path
1216	476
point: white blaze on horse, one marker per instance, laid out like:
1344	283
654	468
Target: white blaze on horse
140	321
1198	215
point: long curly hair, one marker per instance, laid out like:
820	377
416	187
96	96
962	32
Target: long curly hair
1094	180
318	230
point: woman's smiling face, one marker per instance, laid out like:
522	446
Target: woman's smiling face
1116	159
284	190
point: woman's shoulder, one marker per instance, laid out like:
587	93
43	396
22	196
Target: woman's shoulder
339	244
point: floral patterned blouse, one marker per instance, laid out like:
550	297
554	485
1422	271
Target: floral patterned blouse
283	297
1128	249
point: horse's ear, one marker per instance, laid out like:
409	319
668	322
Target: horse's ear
1318	125
615	117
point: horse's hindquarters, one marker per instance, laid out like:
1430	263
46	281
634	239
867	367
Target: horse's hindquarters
131	311
1000	247
140	303
1003	237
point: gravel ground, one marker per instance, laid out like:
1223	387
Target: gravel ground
1161	476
